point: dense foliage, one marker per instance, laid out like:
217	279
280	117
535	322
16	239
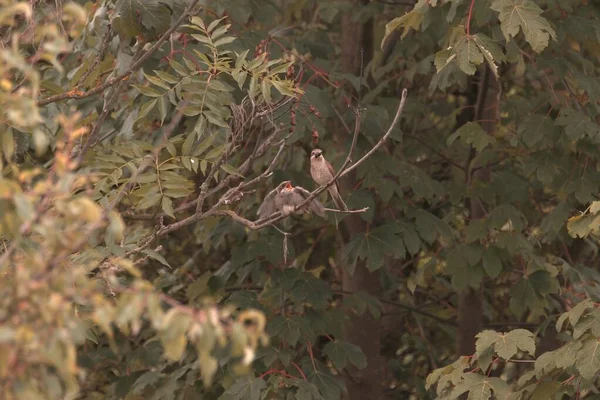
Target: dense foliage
140	137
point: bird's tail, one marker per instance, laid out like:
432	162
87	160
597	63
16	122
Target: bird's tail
337	200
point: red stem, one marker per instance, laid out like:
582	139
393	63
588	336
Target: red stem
469	18
299	370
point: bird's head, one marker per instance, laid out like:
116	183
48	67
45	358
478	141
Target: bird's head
286	186
316	154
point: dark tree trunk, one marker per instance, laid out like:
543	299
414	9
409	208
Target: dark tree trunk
363	331
470	301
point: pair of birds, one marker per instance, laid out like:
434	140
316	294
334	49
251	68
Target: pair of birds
286	197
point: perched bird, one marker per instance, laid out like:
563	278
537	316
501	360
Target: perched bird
322	172
285	197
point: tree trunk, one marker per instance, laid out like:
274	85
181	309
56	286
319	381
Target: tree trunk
470	301
363	331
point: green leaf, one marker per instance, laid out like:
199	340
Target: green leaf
147	91
167	206
180	69
473	383
311	290
524	15
213	25
373	246
411	20
506	345
588	358
156	256
223	41
545	390
340	353
307	391
186	148
577	125
230	169
490	50
492	263
528	292
215	152
173	337
208	368
246	388
429	226
534	127
165	76
287	328
157	81
146	108
329	386
163	108
472	133
468	55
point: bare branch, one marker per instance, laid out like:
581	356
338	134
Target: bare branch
358	211
382	140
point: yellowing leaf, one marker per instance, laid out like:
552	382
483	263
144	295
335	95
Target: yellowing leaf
85	208
411	20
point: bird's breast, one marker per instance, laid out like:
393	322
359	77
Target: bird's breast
319	173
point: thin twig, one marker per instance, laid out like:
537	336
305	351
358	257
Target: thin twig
358	211
382	140
99	57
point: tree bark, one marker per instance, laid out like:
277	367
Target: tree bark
363	331
470	301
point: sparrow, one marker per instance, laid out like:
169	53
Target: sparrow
322	172
285	197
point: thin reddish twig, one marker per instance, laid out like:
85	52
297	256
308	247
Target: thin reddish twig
469	17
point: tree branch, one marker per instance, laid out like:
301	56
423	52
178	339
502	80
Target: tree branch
75	94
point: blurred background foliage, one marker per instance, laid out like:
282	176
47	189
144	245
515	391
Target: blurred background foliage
140	137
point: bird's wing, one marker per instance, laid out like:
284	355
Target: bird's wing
332	171
314	206
301	191
268	206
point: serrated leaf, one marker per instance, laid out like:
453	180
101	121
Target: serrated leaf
472	133
524	15
245	388
340	353
411	20
468	55
588	358
373	246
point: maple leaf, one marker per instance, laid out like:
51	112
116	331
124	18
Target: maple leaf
524	15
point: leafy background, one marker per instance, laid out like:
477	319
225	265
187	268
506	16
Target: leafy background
139	138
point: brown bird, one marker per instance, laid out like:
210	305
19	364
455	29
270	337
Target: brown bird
285	197
322	172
